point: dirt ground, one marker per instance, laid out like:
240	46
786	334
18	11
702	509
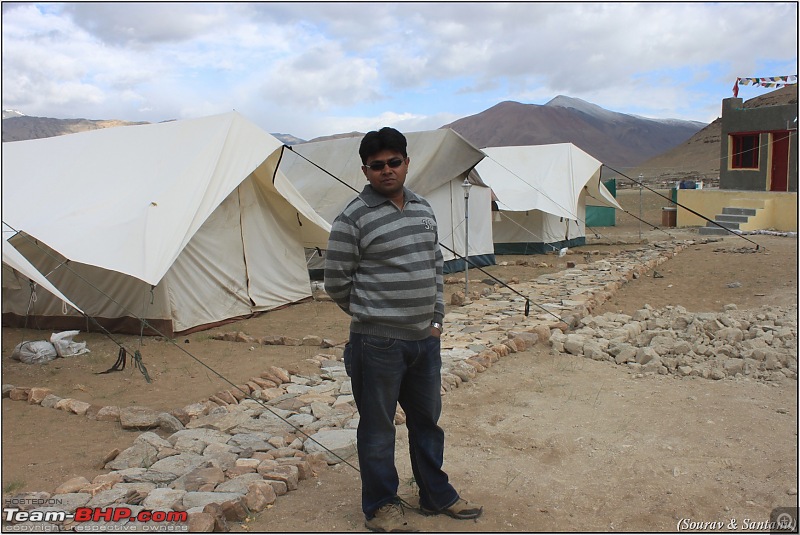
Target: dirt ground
546	442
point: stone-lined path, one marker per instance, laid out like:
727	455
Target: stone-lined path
227	456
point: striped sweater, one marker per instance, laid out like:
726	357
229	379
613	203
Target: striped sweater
384	266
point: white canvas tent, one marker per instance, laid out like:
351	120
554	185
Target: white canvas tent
440	160
542	192
186	224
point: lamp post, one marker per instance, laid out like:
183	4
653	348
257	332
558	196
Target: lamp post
466	185
641	177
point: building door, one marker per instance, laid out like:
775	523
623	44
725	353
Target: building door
780	162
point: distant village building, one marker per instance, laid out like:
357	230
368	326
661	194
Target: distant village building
758	147
757	173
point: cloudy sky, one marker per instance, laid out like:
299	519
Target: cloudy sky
317	69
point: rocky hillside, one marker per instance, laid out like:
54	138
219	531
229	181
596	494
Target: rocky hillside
617	139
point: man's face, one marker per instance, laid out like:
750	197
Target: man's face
388	180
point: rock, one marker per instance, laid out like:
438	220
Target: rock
36	395
139	455
201	522
76	406
19	393
264	383
206	435
733	366
215	510
201	499
245	338
286	473
108	413
224	422
224	397
237	471
312	340
259	496
190	445
154	440
164	499
196	409
303	466
645	355
114	478
71	485
279	373
50	401
239	484
626	354
197	478
138	418
108	497
593	350
653	366
169	423
235	510
179	464
250	441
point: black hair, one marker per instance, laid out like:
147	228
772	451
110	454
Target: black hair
387	138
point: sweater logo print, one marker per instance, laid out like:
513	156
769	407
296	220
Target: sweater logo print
429	224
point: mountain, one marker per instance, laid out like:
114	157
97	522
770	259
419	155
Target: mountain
659	149
18	127
616	139
7	114
288	139
337	136
698	157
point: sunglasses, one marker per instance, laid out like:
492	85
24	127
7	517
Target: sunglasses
379	165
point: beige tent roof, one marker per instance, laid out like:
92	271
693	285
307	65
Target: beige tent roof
185	223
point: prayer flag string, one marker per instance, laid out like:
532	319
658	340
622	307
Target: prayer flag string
765	81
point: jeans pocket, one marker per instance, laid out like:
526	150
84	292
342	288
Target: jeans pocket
380	343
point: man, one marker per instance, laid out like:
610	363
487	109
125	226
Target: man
384	269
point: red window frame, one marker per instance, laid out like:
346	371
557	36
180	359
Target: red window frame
745	148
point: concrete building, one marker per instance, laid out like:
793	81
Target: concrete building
758	147
757	173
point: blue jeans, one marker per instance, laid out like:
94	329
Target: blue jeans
386	371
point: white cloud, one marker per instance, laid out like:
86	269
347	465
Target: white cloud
316	69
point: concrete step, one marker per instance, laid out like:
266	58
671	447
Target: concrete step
739	211
726	224
730	218
712	231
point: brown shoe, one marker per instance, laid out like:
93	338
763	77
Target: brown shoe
461	510
389	519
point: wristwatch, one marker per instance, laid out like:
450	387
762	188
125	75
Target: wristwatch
437	325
